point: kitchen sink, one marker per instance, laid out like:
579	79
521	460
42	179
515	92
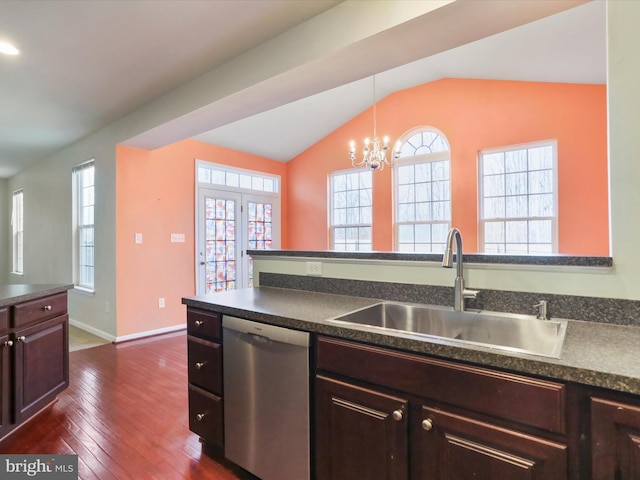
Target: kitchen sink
505	331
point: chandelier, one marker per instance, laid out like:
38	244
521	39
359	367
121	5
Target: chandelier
374	153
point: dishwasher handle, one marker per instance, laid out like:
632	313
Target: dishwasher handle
266	332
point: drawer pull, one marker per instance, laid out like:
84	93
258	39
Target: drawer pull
199	365
427	424
199	323
46	308
397	415
8	343
21	339
200	416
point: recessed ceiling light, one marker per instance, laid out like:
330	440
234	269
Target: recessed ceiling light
8	49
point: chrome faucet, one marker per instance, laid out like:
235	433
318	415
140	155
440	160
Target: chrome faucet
447	261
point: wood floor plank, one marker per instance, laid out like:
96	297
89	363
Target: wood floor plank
125	414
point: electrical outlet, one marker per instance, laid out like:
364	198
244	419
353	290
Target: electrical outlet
138	238
314	268
161	302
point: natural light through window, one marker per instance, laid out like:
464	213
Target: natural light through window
351	210
84	204
518	199
423	193
17	228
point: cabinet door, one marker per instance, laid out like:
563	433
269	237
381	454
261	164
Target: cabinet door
5	399
454	447
615	440
41	365
360	433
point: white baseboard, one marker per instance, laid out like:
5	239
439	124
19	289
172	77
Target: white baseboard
124	338
92	330
150	333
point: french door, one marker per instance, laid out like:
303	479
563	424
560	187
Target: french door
229	223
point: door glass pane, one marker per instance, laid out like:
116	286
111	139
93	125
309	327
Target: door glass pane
260	230
220	245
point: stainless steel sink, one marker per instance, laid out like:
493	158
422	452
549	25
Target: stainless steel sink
512	332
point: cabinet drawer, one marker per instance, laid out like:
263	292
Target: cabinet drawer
205	364
39	309
204	324
529	401
206	416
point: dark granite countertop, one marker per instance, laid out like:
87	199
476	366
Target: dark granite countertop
595	354
10	294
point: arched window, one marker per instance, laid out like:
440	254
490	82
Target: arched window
422	192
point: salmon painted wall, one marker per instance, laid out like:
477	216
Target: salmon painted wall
473	115
155	196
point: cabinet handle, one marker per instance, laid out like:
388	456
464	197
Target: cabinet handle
200	416
8	343
199	323
397	415
199	365
21	339
427	424
46	308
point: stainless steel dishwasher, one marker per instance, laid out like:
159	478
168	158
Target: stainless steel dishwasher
266	399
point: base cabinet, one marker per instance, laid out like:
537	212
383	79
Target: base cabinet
615	440
455	447
204	346
394	416
34	358
361	433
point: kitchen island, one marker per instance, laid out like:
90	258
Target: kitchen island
570	417
34	350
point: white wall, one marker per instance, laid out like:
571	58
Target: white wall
5	230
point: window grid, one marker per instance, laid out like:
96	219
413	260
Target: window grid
220	245
260	229
518	199
351	210
237	178
84	177
17	226
423	193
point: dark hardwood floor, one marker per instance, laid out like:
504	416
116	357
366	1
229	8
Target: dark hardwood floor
125	415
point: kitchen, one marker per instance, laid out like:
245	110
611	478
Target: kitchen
137	281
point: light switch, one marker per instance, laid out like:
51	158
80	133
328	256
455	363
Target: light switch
177	238
138	238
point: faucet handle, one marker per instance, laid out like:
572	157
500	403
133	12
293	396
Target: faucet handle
542	310
473	294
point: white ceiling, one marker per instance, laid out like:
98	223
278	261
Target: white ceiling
568	47
85	64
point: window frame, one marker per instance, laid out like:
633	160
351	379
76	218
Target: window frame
422	158
17	232
346	225
553	143
83	252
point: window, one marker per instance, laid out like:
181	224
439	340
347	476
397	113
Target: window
83	234
17	228
351	210
518	199
236	210
422	193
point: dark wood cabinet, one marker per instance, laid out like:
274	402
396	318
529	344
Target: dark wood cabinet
204	347
5	379
394	415
41	365
455	447
615	440
34	357
361	433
